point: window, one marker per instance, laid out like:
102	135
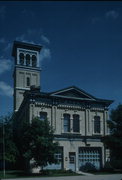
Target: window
28	81
58	157
66	123
76	123
96	124
27	59
21	58
71	157
34	61
43	116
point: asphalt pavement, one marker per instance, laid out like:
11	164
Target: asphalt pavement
85	177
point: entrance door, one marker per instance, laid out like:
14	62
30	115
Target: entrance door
72	161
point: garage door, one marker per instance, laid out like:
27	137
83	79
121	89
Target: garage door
89	158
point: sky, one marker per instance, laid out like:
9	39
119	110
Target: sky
82	46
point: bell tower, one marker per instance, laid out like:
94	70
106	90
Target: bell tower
26	70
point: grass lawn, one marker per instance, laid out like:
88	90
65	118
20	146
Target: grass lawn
108	172
11	174
47	173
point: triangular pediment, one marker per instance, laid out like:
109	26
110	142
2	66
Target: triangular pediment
73	93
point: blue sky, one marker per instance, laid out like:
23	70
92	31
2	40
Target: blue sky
82	45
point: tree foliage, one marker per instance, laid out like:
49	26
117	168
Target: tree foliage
114	140
37	143
8	149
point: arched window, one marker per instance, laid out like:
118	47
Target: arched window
43	116
28	81
66	123
76	123
21	58
27	59
34	61
96	124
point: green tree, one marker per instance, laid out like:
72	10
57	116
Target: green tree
37	143
8	149
114	140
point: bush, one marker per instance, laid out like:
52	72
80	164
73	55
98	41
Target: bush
88	167
108	167
116	164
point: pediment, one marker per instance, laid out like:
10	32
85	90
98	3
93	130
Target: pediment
74	93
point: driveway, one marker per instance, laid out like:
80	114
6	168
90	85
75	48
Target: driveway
90	177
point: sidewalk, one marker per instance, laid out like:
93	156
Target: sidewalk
85	174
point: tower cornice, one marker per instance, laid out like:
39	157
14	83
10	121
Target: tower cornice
25	45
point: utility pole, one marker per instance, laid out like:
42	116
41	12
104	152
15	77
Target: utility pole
3	150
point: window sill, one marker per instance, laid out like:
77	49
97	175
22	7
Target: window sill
70	133
97	134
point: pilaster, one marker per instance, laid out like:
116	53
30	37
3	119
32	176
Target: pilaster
87	122
71	123
62	123
76	159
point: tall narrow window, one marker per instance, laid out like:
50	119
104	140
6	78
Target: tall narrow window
66	123
43	116
76	123
27	59
34	61
59	157
28	81
96	124
21	58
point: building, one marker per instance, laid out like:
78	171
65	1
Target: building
78	118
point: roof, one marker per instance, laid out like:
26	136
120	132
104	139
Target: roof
72	89
72	93
25	45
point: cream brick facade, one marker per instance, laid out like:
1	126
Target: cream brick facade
79	136
25	70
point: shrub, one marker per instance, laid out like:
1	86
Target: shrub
108	167
88	167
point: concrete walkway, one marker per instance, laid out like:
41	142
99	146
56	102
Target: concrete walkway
84	173
90	177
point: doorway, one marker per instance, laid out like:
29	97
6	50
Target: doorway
72	161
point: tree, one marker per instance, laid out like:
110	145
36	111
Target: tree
8	150
37	143
114	140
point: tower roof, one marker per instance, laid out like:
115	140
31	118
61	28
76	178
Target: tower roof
30	46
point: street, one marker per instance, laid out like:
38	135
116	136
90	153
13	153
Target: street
90	177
